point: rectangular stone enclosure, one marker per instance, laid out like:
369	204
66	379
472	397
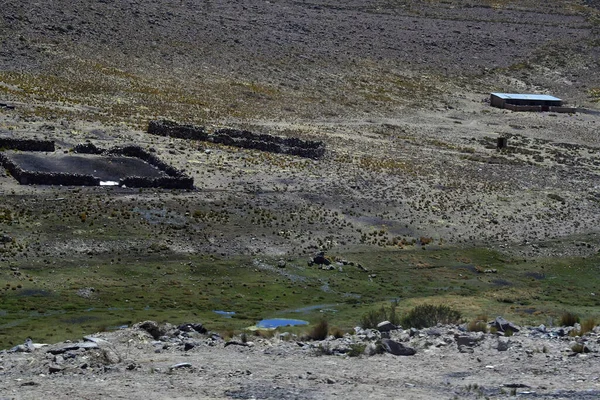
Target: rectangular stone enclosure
128	166
105	168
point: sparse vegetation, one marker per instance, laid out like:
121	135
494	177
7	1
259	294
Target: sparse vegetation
371	319
569	319
427	315
319	331
479	324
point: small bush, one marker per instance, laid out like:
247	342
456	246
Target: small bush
578	348
479	324
356	349
319	331
427	315
374	317
569	319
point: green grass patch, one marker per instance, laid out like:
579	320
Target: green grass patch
45	302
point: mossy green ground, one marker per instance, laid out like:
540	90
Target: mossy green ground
42	301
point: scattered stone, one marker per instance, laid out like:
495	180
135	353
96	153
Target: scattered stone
396	348
281	263
73	346
86	293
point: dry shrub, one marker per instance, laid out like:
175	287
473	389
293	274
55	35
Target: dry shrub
265	333
479	324
337	332
319	331
569	319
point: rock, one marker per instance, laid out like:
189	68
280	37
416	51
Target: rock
503	343
53	368
98	341
197	327
320	259
236	343
370	349
188	346
469	340
152	328
5	239
86	293
503	325
397	349
110	356
281	263
73	346
386	326
466	349
180	365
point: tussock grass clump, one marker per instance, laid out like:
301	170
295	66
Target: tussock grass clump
337	332
569	319
374	317
265	333
319	331
479	324
586	326
427	315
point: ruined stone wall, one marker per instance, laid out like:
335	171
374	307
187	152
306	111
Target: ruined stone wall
173	129
26	144
241	138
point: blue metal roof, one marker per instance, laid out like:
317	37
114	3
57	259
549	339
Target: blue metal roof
520	96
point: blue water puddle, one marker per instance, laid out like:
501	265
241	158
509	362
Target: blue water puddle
226	314
279	322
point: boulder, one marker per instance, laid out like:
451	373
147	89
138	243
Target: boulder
503	325
320	259
386	326
396	348
469	340
192	327
152	328
503	343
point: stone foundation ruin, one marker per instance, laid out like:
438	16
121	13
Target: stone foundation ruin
36	163
240	138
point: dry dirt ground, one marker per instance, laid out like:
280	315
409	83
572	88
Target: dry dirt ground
397	91
131	364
